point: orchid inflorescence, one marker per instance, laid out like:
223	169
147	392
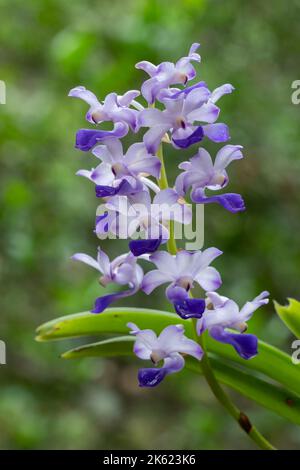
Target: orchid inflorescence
181	116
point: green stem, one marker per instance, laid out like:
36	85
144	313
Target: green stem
164	184
240	417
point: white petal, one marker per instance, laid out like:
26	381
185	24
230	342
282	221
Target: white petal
87	260
226	155
209	279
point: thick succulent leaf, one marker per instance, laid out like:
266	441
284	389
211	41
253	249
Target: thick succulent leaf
113	320
270	361
290	315
276	399
120	346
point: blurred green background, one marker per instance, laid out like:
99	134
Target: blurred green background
47	214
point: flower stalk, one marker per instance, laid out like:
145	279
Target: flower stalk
240	417
223	398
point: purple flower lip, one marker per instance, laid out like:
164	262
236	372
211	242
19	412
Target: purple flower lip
244	344
141	247
123	188
86	139
189	308
230	201
195	137
101	303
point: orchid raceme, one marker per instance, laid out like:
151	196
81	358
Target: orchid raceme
141	206
134	203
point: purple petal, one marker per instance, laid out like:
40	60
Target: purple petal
175	293
226	155
208	112
172	340
189	308
138	160
195	102
149	166
153	279
244	344
250	307
148	67
89	97
126	115
220	91
151	377
101	223
185	91
101	303
165	262
104	191
151	88
88	138
193	138
205	258
216	132
104	262
128	97
141	247
209	279
152	138
230	201
124	188
84	94
192	51
166	196
151	117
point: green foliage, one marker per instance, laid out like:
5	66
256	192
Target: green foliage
290	315
273	363
281	401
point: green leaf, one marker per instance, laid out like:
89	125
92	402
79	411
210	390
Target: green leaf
270	361
120	346
290	315
113	320
276	399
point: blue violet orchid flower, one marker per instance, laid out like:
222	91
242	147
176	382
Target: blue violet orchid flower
123	270
182	271
222	313
167	347
200	173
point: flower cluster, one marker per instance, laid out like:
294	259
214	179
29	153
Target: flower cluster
130	183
